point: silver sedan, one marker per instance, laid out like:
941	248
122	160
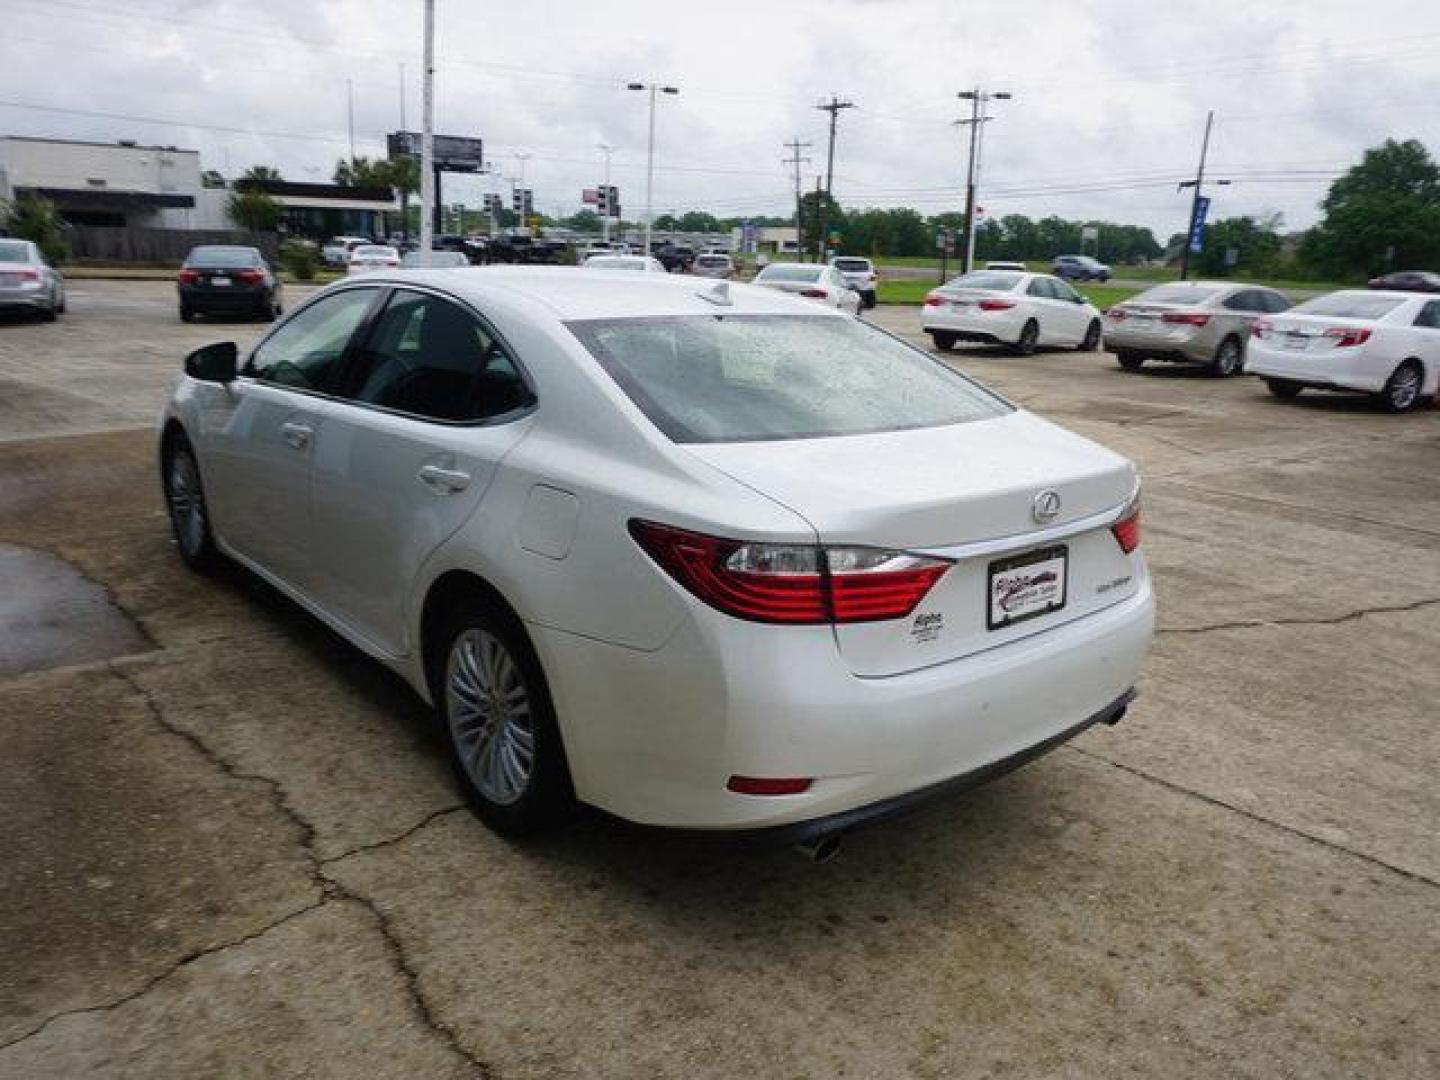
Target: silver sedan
28	281
1190	322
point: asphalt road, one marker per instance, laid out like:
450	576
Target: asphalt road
232	847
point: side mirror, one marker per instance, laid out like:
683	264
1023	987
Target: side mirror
213	363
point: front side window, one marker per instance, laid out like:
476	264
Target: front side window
307	351
1062	291
737	378
429	357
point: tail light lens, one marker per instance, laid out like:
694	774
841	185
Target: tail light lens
1117	314
814	294
996	305
1343	336
1186	318
189	277
797	584
933	300
28	275
1127	528
249	276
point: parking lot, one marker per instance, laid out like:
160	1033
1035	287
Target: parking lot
233	846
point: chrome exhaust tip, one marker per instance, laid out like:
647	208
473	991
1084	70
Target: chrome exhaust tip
821	849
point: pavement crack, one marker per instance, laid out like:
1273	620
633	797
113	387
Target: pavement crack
1260	819
1332	620
183	962
389	841
400	960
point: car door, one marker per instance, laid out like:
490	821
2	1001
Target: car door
431	404
1427	340
1072	312
257	435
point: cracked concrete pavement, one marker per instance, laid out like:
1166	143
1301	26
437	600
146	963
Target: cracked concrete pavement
236	850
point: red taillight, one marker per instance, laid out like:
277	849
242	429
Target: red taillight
933	300
1127	529
769	785
250	277
1342	336
814	294
1117	314
1260	327
797	584
996	305
1187	318
189	277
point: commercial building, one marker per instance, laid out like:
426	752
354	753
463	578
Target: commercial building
104	184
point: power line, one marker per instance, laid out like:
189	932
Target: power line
795	146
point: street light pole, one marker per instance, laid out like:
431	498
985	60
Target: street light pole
427	139
650	156
1195	199
978	100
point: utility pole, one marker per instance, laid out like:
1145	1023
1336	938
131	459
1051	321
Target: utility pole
833	107
650	155
607	150
795	146
978	99
1195	199
427	139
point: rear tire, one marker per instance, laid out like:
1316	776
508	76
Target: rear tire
1284	388
1228	360
1402	389
187	314
1029	338
944	339
1130	361
499	722
1091	341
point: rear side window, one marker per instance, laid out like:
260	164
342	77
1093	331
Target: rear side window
738	378
1349	305
429	357
306	352
1429	315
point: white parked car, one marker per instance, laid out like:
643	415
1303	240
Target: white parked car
860	275
644	264
336	251
700	554
1381	343
368	257
812	281
999	264
1006	307
437	260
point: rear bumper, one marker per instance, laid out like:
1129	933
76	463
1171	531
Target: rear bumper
993	326
1177	345
1358	372
248	298
25	296
653	737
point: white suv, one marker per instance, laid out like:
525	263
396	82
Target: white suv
860	275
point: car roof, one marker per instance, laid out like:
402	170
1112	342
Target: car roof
569	293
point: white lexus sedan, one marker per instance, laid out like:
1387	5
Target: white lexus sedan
701	555
367	258
1381	343
818	282
1009	307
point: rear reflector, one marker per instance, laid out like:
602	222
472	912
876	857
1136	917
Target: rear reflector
769	785
996	305
796	584
1188	318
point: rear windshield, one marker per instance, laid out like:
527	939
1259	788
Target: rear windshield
372	251
741	378
1349	305
223	256
712	260
853	266
14	251
1179	294
789	273
1000	280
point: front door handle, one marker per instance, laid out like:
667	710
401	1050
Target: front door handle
297	434
444	481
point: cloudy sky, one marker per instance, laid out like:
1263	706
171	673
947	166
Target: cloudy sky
1109	99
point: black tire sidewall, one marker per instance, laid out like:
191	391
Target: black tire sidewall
1130	361
944	339
1217	365
1387	394
549	798
1021	345
207	557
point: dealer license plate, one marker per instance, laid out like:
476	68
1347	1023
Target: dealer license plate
219	281
1026	586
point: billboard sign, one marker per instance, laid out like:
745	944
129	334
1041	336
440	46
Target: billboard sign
453	153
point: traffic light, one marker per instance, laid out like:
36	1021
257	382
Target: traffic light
602	201
522	201
612	200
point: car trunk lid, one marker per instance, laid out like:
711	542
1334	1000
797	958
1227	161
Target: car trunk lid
967	492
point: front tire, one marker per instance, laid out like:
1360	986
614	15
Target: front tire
499	722
1402	389
1229	358
944	339
1284	388
185	502
1029	339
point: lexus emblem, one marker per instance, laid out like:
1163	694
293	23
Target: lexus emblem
1046	506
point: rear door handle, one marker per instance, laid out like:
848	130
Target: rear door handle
444	481
297	434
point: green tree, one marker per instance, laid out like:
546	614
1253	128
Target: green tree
253	210
259	174
1256	247
1382	214
697	221
810	205
586	221
38	221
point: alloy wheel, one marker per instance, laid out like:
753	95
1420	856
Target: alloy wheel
1403	389
488	709
187	503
